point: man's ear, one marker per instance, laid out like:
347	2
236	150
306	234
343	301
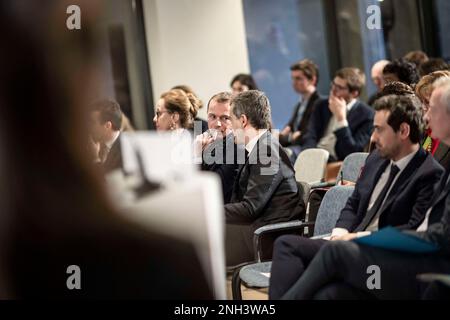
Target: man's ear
244	120
108	125
355	94
404	130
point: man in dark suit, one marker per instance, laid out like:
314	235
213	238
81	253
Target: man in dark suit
305	76
265	189
395	189
442	155
342	124
215	149
340	268
106	121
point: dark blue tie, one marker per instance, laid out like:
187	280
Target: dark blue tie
374	211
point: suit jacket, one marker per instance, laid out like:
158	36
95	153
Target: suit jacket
407	202
442	155
353	138
304	122
114	159
438	230
265	190
218	160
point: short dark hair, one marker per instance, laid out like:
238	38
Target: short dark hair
246	80
432	65
221	97
255	105
308	67
405	71
394	88
403	109
355	78
109	110
417	57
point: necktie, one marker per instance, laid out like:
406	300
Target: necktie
374	211
300	112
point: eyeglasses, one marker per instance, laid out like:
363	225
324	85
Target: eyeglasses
335	85
213	117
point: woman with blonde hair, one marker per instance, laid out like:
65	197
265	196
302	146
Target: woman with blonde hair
424	89
203	123
176	110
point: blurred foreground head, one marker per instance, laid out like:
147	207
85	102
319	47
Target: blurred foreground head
53	209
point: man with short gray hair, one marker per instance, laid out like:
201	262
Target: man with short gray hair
265	189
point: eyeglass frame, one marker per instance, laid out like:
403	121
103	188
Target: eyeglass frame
339	87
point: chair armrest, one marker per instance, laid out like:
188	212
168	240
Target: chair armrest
430	277
281	227
320	185
321	236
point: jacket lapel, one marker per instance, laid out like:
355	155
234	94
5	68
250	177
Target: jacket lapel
444	193
442	151
404	178
379	171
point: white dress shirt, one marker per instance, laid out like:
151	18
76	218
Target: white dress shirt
328	141
252	143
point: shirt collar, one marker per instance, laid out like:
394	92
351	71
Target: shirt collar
403	162
110	143
351	104
251	144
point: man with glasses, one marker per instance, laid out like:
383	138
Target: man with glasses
342	124
215	149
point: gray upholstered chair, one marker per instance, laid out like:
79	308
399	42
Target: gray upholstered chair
256	275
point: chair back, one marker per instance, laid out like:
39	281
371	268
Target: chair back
352	165
310	165
330	209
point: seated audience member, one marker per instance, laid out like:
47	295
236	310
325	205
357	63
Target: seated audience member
106	121
198	106
176	110
438	149
416	57
216	146
265	190
339	270
305	76
242	82
377	78
58	214
395	189
395	88
434	64
342	124
401	70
